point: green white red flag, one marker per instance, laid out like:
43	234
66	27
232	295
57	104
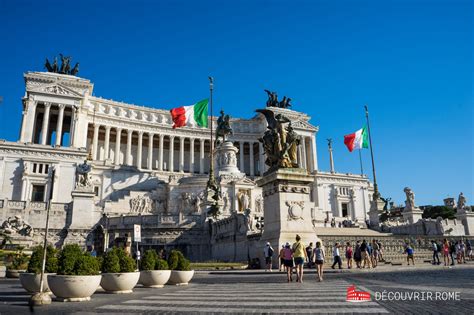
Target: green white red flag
192	115
357	140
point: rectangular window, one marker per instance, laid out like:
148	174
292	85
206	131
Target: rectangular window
34	167
46	168
38	193
344	209
40	168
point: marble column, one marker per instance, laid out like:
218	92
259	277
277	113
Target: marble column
191	155
95	141
107	143
72	128
118	137
171	155
242	156
59	125
139	149
261	158
44	128
201	161
303	153
252	163
181	154
128	158
150	151
28	124
314	156
160	162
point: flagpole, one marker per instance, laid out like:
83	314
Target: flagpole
211	166
376	190
360	159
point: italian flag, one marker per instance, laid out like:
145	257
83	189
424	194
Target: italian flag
190	115
357	140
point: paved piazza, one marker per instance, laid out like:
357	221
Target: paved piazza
243	292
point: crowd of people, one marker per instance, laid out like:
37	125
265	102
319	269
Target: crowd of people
365	254
451	249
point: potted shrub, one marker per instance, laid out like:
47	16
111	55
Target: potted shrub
118	272
78	275
181	272
30	280
155	272
18	263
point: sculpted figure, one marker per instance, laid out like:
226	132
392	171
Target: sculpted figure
248	219
461	201
75	70
244	200
82	175
259	204
48	66
223	129
410	202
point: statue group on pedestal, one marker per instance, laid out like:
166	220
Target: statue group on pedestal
83	179
65	66
273	100
410	202
223	129
16	225
280	141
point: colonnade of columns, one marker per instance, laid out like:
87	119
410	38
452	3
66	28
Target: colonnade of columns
192	152
36	130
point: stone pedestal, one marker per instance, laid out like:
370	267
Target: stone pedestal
227	159
83	210
467	220
412	215
287	208
376	208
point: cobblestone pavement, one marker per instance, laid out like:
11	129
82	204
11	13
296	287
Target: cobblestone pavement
269	293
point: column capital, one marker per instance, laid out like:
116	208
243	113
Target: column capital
151	134
107	128
172	137
130	131
96	127
181	139
140	133
47	104
61	106
162	136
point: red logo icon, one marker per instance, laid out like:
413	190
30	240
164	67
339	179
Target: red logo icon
356	296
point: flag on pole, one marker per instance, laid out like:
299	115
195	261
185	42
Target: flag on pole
193	115
357	140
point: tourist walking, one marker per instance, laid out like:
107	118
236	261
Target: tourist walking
268	252
357	254
337	256
469	250
436	251
299	255
380	251
463	251
365	254
375	253
349	254
281	259
319	260
309	254
287	255
410	254
452	251
445	250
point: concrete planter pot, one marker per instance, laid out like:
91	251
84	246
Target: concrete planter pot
180	277
122	282
14	273
154	278
73	288
3	271
31	282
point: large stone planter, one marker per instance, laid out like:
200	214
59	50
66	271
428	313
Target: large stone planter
154	278
3	271
119	282
73	288
180	277
14	273
31	282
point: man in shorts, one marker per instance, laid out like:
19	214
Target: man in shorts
268	252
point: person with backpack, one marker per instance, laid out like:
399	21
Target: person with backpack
365	254
436	251
309	254
319	260
452	251
410	254
299	254
357	254
268	252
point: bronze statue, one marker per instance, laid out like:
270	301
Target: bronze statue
280	141
273	100
223	128
75	70
65	66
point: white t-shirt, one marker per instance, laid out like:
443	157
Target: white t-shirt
336	251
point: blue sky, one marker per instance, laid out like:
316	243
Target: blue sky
410	61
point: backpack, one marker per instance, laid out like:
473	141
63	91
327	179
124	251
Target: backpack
270	252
